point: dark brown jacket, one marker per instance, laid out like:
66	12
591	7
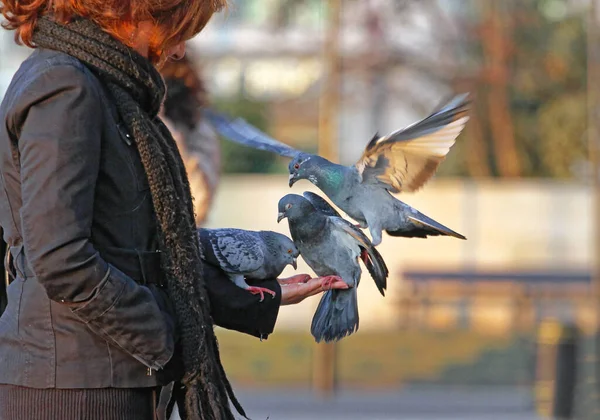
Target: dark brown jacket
86	309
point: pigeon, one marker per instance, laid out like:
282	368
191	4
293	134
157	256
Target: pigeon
332	247
244	254
402	161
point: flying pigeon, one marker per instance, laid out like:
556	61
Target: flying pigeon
244	254
332	247
402	161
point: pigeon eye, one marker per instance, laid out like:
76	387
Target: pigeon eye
289	251
297	166
288	206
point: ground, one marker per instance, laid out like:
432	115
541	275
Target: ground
414	403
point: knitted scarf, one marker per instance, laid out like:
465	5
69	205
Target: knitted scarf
138	91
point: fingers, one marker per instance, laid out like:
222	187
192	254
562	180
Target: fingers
317	285
328	281
297	292
333	283
298	278
313	287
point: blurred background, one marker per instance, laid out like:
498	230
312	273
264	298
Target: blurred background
501	326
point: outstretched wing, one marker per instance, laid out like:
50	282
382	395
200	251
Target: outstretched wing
370	256
234	250
406	159
239	131
321	204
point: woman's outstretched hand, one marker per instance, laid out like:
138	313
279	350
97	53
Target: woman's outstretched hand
297	288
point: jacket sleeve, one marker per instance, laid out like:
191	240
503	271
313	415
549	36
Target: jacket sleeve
234	308
58	124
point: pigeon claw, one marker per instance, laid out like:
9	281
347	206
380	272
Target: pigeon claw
328	281
260	291
298	278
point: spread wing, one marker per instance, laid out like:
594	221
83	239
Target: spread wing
239	131
370	256
406	159
234	250
321	204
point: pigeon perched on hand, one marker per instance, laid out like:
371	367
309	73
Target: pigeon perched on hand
244	254
402	161
332	247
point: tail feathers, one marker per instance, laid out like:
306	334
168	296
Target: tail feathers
377	268
336	316
422	226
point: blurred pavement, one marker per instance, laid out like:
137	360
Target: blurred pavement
410	403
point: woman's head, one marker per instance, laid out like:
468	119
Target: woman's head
186	92
161	25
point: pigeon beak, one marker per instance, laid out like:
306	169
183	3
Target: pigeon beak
280	217
295	263
292	179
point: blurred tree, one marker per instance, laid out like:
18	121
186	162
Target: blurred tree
549	88
523	60
496	43
533	80
240	159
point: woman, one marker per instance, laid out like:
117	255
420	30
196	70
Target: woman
110	300
196	140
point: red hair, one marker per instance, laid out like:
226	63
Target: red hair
175	20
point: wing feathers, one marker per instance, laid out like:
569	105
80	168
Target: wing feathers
373	261
239	131
236	250
406	159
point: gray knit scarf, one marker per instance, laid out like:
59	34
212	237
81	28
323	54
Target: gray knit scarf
138	90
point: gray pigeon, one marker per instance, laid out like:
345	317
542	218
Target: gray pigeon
332	247
244	254
402	161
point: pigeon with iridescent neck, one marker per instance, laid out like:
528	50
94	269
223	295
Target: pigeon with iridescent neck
402	161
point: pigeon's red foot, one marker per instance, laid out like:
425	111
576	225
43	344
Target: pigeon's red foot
260	291
327	281
298	278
